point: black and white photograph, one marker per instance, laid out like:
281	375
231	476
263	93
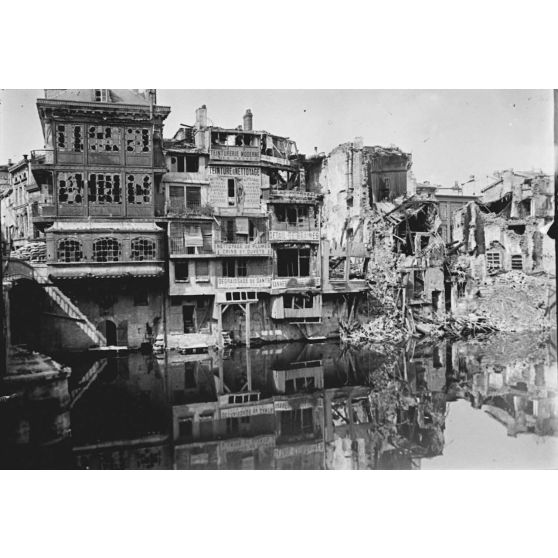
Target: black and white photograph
298	299
266	279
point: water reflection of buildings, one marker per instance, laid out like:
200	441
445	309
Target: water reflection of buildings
520	393
291	406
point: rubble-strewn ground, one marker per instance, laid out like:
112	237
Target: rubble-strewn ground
514	301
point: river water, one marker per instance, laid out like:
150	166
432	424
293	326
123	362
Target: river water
489	403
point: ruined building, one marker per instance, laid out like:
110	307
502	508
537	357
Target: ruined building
98	182
245	243
506	229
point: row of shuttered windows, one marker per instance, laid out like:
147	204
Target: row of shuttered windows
106	249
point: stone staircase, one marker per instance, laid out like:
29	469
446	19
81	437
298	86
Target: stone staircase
72	311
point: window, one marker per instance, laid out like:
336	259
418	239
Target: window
185	427
493	260
293	262
241	268
202	269
143	249
517	262
138	140
105	188
69	138
229	268
141	298
192	163
70	188
181	271
69	251
139	189
298	301
193	197
106	250
104	138
101	95
231	191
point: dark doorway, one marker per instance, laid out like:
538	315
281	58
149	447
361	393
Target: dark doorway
436	300
108	329
188	318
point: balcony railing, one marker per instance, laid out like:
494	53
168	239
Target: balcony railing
243	248
178	207
252	282
42	157
183	247
45	208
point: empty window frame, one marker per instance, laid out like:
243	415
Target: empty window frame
293	262
70	188
517	262
69	137
231	191
69	250
104	138
139	189
181	271
105	189
298	301
143	249
493	259
141	297
138	140
106	249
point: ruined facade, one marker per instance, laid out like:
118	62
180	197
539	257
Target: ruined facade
98	186
506	230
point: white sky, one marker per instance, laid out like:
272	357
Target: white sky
451	134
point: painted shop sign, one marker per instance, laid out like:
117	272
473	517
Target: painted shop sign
239	282
291	451
232	153
295	235
247	410
225	249
243	192
247	444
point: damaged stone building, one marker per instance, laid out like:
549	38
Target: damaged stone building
245	243
506	228
97	184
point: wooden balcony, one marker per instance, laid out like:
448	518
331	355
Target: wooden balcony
181	247
281	233
283	283
293	196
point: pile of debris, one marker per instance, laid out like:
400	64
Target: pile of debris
515	301
383	330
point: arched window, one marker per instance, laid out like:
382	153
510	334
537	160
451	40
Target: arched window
143	249
69	250
106	250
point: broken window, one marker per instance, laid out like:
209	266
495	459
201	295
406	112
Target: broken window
493	260
70	188
280	213
105	188
181	272
139	189
69	250
69	138
418	283
235	268
104	138
138	140
298	301
143	249
293	262
106	250
517	262
176	195
193	197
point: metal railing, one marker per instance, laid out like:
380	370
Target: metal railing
181	246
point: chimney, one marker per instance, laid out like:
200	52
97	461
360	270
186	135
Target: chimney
248	121
152	94
201	117
25	157
10	162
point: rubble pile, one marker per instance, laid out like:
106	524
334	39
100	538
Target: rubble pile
515	301
386	330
